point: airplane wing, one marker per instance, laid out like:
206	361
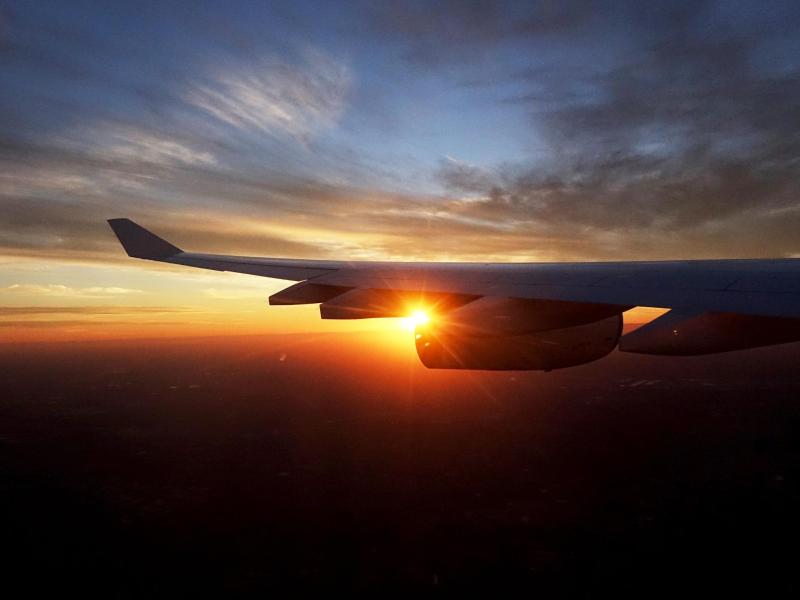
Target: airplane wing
765	290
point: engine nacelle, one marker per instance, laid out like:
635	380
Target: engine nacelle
443	347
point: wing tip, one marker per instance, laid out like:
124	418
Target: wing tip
138	242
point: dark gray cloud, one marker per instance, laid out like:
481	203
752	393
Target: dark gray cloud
691	138
443	31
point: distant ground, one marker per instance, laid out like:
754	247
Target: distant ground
242	465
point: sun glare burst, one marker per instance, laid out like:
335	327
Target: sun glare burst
416	318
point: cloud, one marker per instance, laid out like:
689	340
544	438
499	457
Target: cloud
657	131
54	317
134	145
686	143
53	324
232	293
18	311
457	31
275	97
59	290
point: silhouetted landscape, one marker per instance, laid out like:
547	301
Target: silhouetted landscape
243	465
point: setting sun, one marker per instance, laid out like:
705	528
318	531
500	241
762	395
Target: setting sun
417	317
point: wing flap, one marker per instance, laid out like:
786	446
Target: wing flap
306	292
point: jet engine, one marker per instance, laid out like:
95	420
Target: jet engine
513	334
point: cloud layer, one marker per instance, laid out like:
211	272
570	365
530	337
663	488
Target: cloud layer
645	131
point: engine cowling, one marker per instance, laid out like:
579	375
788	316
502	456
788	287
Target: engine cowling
440	346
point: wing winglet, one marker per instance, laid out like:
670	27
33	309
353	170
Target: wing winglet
140	243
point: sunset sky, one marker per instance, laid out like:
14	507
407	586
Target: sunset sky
411	130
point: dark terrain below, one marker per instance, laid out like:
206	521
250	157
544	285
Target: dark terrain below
243	465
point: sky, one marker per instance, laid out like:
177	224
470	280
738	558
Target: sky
502	131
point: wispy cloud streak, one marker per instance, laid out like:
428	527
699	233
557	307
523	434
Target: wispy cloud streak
65	291
274	97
